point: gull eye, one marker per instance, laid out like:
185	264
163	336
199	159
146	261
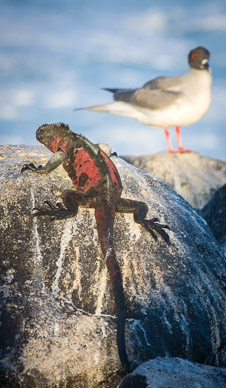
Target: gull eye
195	56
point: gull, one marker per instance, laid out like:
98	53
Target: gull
167	102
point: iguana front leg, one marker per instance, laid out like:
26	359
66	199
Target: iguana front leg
51	165
139	210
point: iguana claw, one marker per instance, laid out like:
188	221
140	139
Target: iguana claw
153	226
56	212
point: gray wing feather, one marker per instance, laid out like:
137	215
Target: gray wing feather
155	94
164	83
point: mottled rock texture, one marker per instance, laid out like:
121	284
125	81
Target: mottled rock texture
214	213
58	327
175	373
193	176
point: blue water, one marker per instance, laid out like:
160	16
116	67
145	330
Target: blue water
57	55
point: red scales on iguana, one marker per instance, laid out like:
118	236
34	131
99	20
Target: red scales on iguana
98	185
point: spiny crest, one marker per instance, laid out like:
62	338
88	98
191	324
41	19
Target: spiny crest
50	131
88	143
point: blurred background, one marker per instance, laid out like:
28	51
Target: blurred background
55	55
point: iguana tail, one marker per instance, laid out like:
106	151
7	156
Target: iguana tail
105	215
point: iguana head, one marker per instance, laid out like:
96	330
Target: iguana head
51	134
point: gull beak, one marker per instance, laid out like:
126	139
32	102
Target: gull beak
205	63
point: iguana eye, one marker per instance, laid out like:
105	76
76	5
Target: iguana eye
195	56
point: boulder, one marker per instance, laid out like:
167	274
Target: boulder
214	213
193	176
58	325
175	373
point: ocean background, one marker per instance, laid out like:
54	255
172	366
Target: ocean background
56	55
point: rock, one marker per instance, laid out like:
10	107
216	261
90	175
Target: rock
58	324
214	213
193	176
175	373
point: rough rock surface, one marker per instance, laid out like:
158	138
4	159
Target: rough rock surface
214	213
193	176
57	325
175	373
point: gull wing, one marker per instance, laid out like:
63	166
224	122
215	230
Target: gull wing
155	94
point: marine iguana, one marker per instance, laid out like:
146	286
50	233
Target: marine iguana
98	185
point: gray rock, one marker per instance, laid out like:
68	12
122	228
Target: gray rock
58	326
175	373
193	176
214	213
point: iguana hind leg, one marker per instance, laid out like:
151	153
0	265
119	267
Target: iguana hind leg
140	210
55	212
71	200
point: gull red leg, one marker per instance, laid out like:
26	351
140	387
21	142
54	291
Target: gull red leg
179	141
169	141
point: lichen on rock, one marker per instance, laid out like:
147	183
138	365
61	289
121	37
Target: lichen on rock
58	323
